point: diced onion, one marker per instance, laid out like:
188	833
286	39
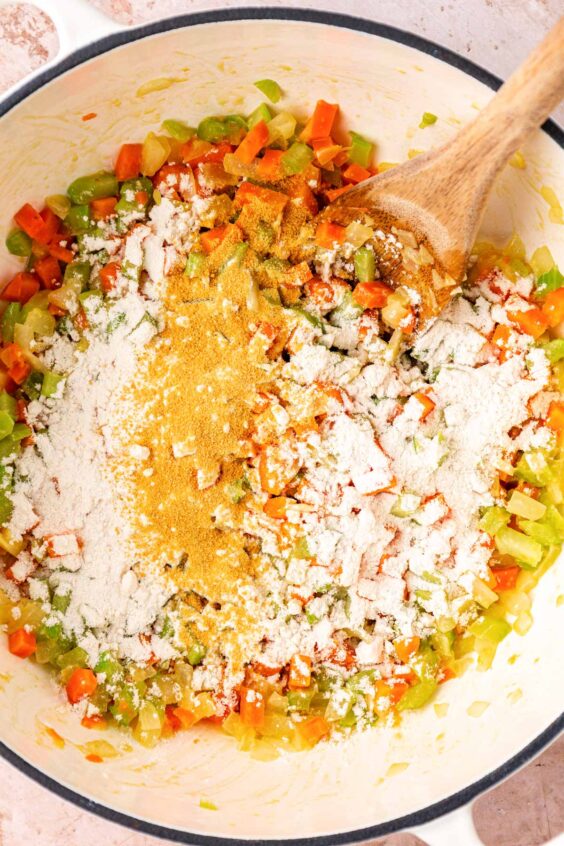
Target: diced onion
523	623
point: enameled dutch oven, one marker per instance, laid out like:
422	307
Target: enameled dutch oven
384	780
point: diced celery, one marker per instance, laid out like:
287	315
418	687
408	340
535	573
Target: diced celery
525	506
50	383
442	642
125	705
296	158
361	682
428	119
61	602
549	281
77	276
196	653
405	505
365	264
59	205
11	316
6	424
325	679
554	350
92	187
301	549
417	695
300	700
311	318
8	403
347	310
269	88
78	219
493	519
483	594
490	628
108	665
77	657
548	531
195	265
236	491
541	261
261	112
523	548
18	243
281	128
237	255
32	385
361	150
211	129
178	130
20	431
533	467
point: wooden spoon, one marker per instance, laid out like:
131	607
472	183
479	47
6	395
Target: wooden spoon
440	196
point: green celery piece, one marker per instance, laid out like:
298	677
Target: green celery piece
493	519
78	219
95	186
108	665
311	318
361	150
300	700
237	490
212	129
347	310
178	130
550	281
405	505
265	233
18	243
301	550
549	531
6	424
50	383
124	708
195	265
237	256
325	679
361	681
524	549
261	112
554	350
59	204
236	127
196	653
296	158
52	632
365	264
418	695
127	202
77	274
60	602
270	89
349	720
275	268
8	403
272	296
20	431
10	317
428	119
207	805
442	643
533	467
32	385
490	628
6	507
77	657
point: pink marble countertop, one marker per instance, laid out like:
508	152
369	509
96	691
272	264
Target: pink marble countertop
528	809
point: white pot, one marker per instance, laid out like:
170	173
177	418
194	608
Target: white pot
384	80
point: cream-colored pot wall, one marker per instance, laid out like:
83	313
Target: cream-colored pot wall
383	88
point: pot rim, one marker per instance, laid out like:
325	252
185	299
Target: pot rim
444	54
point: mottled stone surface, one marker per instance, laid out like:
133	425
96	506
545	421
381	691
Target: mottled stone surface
528	809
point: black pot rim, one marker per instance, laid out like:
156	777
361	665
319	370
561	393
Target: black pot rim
467	794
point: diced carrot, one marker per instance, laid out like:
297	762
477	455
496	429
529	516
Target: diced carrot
445	674
252	707
103	208
325	150
314	729
533	322
56	310
266	670
391	689
108	276
252	143
213	238
555	419
18	368
22	643
500	337
194	150
553	307
324	294
30	221
406	647
21	409
277	507
89	116
356	173
61	253
333	193
323	119
299	674
176	177
277	465
128	164
51	226
94	759
141	197
305	134
21	288
96	721
427	404
505	577
298	274
269	167
299	190
248	192
527	489
371	294
328	234
81	320
185	717
82	683
49	271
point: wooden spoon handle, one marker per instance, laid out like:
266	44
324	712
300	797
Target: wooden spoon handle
521	105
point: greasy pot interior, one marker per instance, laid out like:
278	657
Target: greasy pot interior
383	88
